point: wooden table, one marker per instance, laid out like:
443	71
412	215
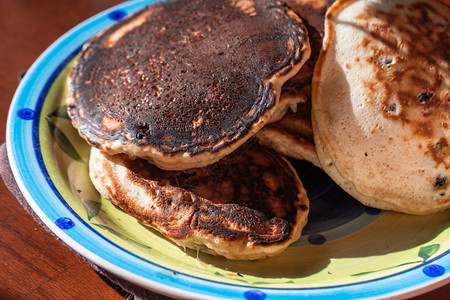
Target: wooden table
33	264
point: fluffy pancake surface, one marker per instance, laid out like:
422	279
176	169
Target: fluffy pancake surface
249	205
381	103
183	83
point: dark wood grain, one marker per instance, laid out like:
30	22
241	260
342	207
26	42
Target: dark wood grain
34	264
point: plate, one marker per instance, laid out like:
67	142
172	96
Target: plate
346	251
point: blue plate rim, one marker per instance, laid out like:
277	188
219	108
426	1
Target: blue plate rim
164	279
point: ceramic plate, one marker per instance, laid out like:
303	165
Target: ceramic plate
346	251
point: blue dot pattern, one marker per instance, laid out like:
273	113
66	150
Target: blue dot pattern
117	15
254	295
434	270
316	239
64	223
26	114
372	211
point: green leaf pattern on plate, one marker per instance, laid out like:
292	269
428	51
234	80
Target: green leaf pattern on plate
60	112
305	266
92	208
63	142
424	252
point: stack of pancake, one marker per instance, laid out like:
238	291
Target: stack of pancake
182	100
293	134
170	99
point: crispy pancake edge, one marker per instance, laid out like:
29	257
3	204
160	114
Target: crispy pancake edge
184	160
104	169
285	139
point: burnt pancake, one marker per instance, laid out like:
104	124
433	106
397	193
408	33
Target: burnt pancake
184	83
312	13
292	135
249	205
381	103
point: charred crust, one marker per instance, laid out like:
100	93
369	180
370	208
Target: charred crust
424	97
440	182
93	142
136	81
211	198
313	21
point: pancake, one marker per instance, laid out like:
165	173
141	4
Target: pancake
249	205
381	103
184	83
312	13
292	136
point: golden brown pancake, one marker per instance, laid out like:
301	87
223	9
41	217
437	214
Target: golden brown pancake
184	83
381	103
292	136
249	205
